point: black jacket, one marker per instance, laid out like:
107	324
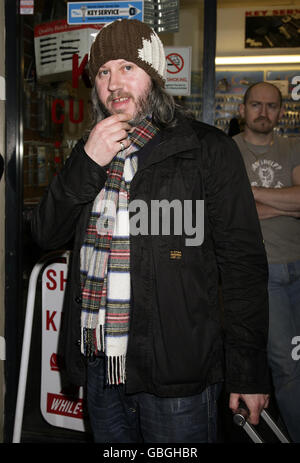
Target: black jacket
184	332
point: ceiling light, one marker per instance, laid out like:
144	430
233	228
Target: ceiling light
269	59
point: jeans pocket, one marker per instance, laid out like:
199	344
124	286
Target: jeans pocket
95	377
95	361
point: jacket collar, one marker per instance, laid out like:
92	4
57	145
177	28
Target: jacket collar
174	140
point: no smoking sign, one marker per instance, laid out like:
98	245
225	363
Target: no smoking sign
178	65
175	63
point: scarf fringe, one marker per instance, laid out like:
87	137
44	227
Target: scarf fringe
92	340
116	373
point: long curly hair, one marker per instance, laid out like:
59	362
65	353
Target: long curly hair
159	103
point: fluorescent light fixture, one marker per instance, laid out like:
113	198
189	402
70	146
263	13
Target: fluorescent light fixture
269	59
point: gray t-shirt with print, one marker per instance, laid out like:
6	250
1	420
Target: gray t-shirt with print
271	166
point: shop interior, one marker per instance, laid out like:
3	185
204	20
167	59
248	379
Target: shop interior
261	43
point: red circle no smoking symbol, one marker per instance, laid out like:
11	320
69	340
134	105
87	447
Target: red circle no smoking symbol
175	63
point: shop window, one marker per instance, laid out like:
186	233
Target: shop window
258	32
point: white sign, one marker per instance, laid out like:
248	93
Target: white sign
2	88
26	6
2	348
104	12
56	42
58	407
178	65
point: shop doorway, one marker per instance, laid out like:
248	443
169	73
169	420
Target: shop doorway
47	112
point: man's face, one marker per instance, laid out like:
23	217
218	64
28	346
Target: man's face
262	110
123	87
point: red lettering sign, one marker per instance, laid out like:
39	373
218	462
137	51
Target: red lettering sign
80	116
272	12
61	405
62	280
50	320
257	13
61	118
77	70
52	277
57	102
53	284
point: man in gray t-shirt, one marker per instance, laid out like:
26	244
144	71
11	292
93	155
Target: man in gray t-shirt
273	167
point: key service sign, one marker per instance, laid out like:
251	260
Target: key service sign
104	12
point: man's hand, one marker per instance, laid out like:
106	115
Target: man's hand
255	403
105	139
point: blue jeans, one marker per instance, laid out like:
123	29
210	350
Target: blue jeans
284	304
117	417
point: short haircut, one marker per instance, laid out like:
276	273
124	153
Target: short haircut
248	91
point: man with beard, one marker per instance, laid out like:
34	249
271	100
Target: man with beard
142	315
273	167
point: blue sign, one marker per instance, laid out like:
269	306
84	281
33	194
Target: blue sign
104	12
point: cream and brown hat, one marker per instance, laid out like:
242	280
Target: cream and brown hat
133	41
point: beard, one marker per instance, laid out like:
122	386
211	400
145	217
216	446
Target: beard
261	125
143	103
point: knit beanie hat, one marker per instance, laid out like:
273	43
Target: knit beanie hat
131	40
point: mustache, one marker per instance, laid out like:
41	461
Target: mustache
261	118
112	96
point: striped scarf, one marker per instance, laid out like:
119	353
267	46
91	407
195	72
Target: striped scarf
105	262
